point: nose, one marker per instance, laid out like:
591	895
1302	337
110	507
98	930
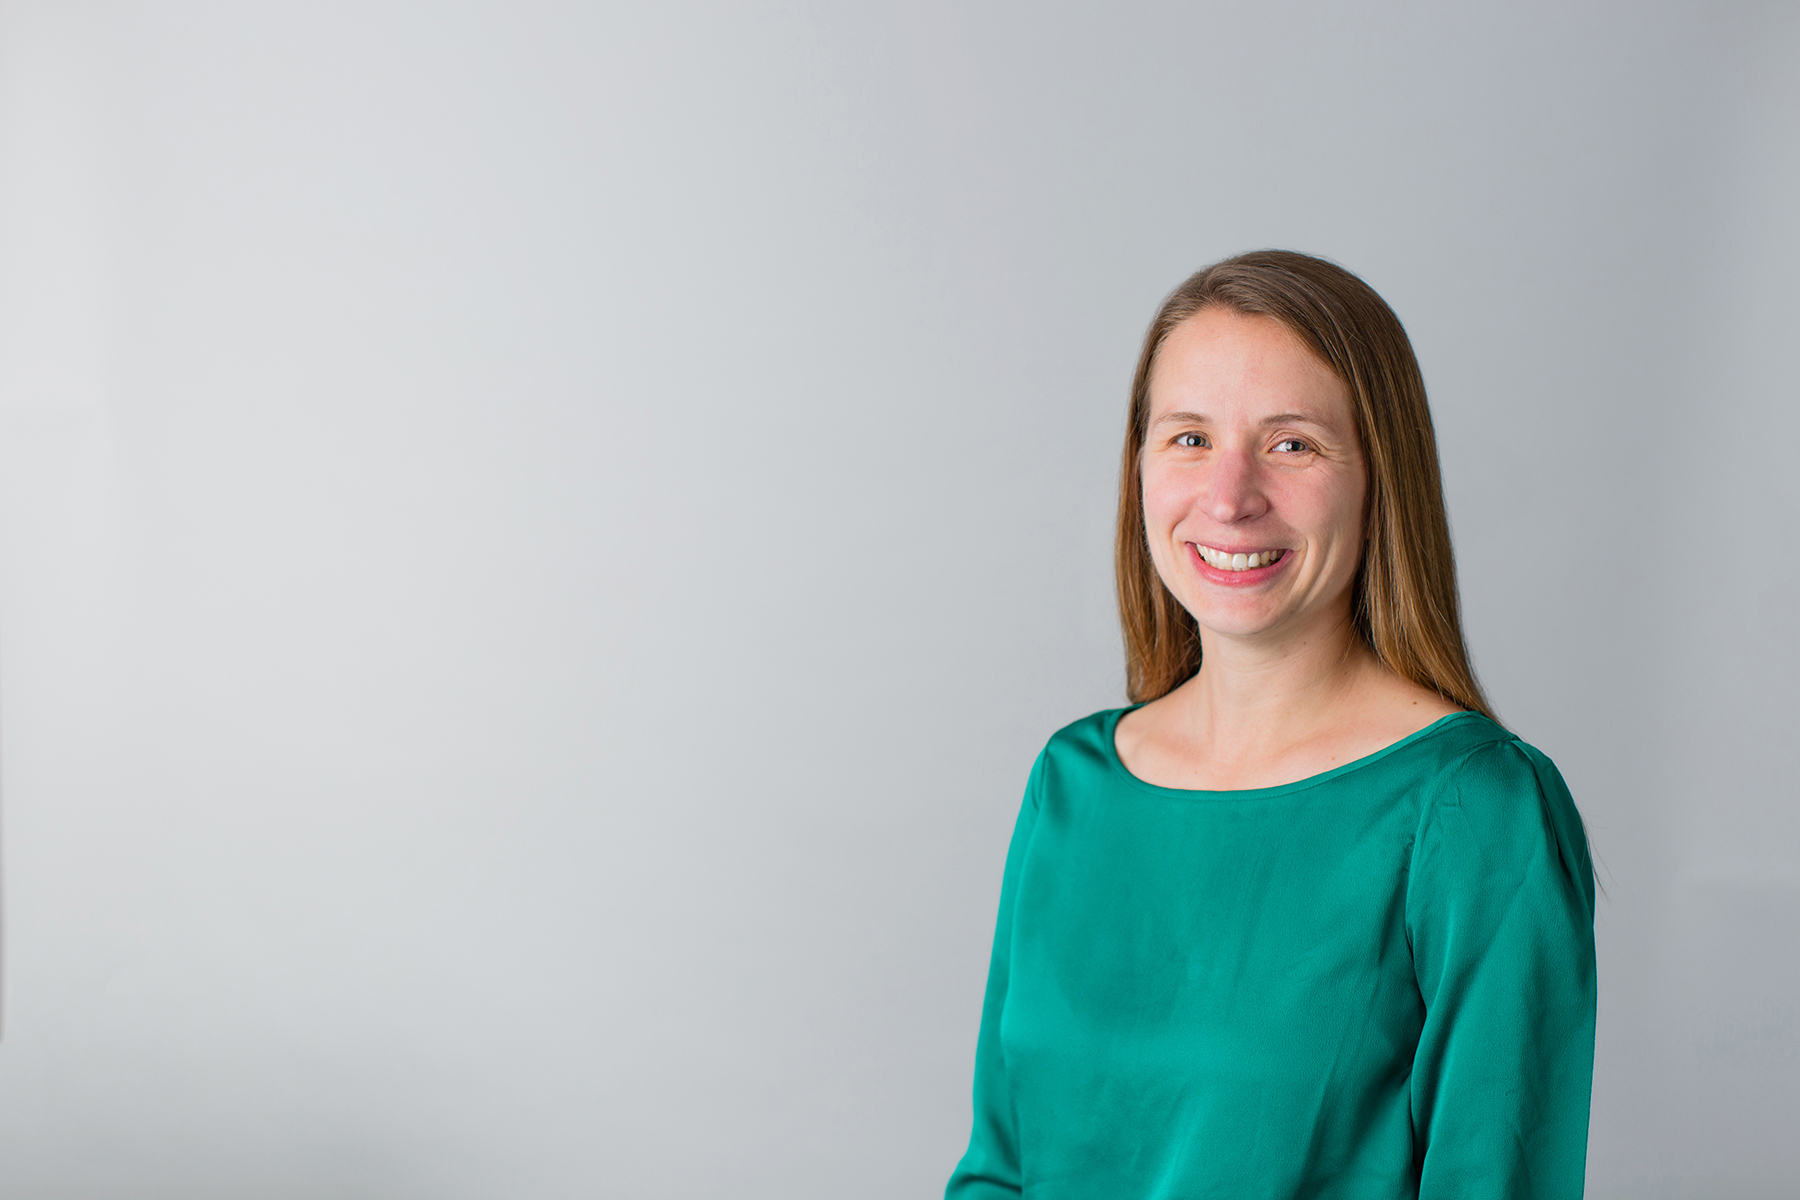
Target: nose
1234	489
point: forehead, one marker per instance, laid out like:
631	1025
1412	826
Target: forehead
1224	363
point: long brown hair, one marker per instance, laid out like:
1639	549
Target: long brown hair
1404	600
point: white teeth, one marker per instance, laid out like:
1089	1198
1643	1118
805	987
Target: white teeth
1237	562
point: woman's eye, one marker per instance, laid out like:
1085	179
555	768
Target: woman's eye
1191	441
1292	446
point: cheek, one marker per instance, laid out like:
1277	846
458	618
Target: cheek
1338	515
1164	499
1325	508
1164	506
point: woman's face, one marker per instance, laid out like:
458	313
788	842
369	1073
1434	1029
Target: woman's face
1254	483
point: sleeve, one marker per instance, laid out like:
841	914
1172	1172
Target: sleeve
1500	910
990	1168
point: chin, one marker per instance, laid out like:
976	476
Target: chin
1233	621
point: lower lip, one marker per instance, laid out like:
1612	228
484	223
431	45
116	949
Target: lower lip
1249	578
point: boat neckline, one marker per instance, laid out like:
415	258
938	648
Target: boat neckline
1111	725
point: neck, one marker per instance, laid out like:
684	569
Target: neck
1257	696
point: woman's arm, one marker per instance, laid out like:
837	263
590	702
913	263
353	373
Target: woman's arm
990	1169
1500	909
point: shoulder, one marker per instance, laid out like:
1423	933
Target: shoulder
1498	803
1490	770
1087	736
1080	753
1460	737
1388	703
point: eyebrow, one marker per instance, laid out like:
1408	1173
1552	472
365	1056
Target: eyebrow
1193	418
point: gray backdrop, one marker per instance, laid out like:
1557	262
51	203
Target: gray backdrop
538	543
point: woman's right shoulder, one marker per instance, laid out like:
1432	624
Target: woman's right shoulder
1080	750
1088	732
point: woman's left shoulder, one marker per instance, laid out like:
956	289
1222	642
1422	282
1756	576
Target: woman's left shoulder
1484	763
1455	741
1503	800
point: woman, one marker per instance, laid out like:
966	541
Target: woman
1304	921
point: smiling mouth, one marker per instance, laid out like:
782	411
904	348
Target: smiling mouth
1227	561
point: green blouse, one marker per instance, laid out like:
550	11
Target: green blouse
1374	983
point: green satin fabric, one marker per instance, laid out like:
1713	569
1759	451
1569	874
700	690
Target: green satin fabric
1371	984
